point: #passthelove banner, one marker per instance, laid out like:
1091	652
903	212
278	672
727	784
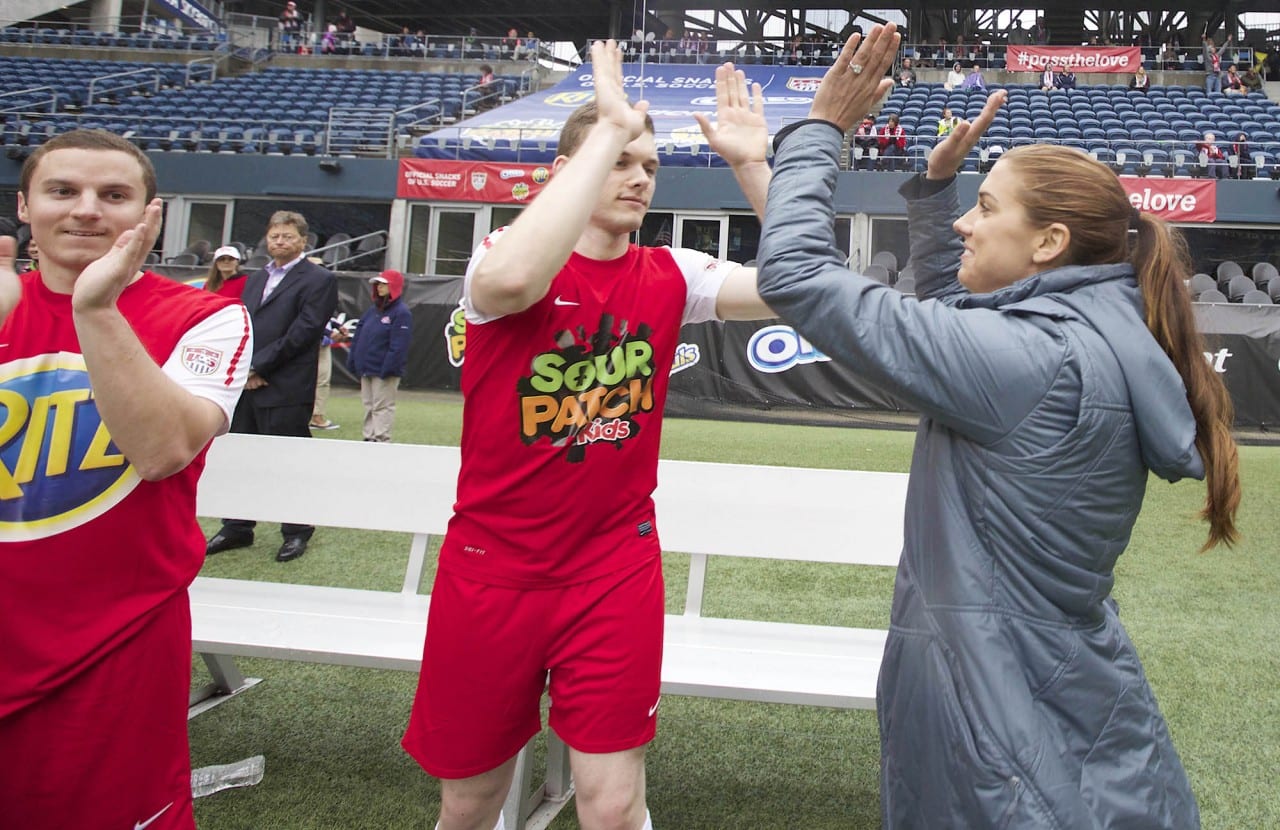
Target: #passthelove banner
1174	200
1075	58
470	181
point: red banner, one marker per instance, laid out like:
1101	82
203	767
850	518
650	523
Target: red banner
1075	58
470	181
1174	200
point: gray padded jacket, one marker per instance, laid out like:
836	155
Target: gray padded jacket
1010	694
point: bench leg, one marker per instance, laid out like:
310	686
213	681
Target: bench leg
527	808
227	682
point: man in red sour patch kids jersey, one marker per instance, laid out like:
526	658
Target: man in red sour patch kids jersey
551	563
113	380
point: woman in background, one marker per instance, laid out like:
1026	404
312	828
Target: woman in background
225	277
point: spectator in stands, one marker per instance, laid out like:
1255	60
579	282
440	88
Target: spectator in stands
893	144
1049	77
1056	364
1018	35
96	557
955	78
346	27
1212	64
1066	79
1251	81
1140	81
290	26
906	75
1212	157
1231	83
510	42
1168	58
33	256
289	302
1244	162
528	49
865	137
974	79
517	546
329	40
947	122
379	353
1040	32
226	278
487	89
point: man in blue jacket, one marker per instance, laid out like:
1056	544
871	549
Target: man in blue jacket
379	353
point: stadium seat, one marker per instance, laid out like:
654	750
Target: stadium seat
1239	286
1212	296
1201	283
1256	297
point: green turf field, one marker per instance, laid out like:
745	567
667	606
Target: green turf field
1206	625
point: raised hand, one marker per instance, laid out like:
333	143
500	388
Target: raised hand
10	285
611	99
949	155
102	281
740	134
856	80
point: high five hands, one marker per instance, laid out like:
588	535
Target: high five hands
740	134
947	158
611	98
856	81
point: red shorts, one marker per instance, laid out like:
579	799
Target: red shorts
490	648
109	748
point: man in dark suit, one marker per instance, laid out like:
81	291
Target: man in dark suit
289	302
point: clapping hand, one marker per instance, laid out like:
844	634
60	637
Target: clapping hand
740	134
947	158
10	285
103	280
856	81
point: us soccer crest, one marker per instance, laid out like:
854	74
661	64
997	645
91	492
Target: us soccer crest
201	360
478	178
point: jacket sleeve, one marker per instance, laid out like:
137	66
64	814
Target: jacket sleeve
316	302
976	370
397	356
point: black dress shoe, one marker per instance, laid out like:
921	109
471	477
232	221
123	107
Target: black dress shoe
291	549
224	541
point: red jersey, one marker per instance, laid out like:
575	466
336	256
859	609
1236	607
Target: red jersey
88	550
562	418
234	287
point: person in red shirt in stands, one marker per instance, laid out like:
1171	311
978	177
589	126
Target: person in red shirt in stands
893	144
1213	156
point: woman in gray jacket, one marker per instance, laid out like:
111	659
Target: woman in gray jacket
1052	354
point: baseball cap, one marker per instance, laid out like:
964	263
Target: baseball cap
383	276
227	250
378	278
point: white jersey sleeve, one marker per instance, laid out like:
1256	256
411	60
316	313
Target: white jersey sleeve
477	257
211	359
704	275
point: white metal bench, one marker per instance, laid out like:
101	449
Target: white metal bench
704	510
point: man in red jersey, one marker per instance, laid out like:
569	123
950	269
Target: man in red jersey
112	382
551	564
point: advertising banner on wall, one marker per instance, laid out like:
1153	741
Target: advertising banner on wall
767	366
1174	200
1075	58
191	13
470	181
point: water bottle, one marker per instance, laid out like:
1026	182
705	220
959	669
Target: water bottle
209	780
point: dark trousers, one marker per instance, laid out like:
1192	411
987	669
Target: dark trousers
270	420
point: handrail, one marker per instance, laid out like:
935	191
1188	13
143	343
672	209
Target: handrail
52	100
93	84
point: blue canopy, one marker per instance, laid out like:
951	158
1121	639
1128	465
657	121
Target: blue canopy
526	130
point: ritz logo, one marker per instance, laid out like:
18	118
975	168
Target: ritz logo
569	99
58	466
687	355
775	349
455	336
